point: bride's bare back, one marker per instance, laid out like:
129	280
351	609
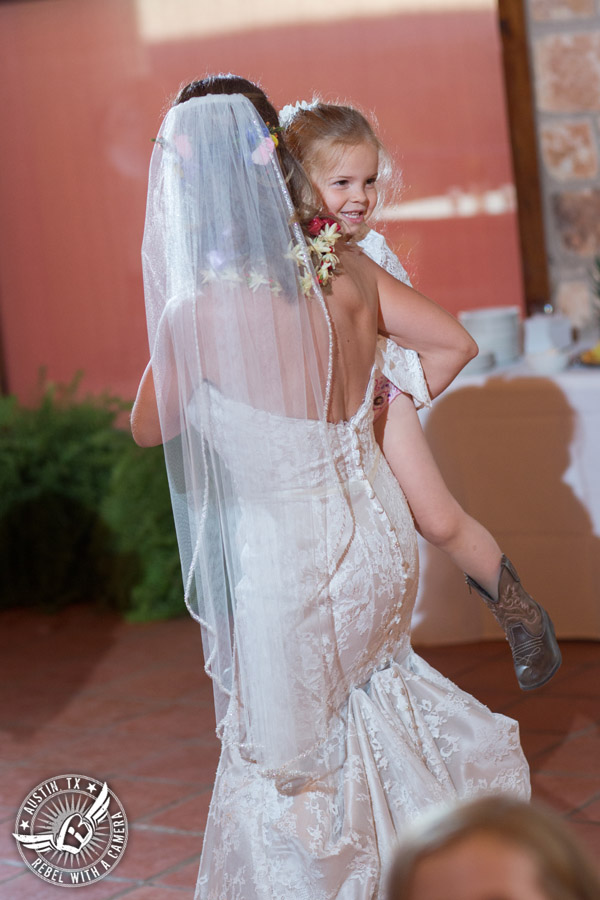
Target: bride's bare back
353	304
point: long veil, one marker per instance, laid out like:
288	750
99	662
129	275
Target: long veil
242	355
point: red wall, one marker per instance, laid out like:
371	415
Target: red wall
82	95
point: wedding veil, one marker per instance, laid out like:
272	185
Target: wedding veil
242	362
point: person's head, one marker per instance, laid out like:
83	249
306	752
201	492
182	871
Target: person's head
496	848
342	156
298	185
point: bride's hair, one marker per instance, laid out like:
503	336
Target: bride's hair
298	183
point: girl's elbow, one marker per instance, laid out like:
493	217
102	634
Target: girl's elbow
470	348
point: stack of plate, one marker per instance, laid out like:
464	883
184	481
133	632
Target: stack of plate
496	329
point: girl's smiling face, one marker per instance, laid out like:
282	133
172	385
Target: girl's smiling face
347	185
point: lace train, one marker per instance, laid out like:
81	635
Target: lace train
413	740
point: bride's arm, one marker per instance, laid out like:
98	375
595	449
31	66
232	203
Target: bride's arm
145	424
418	323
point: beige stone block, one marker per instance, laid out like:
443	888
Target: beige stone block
543	10
574	299
567	72
577	216
569	150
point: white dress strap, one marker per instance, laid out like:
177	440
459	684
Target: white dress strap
377	248
403	368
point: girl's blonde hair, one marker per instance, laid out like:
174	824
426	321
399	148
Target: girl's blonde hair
565	872
316	134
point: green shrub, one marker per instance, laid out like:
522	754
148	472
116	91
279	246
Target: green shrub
84	513
137	509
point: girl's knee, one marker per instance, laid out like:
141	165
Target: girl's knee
441	527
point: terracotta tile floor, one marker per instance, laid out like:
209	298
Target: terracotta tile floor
86	693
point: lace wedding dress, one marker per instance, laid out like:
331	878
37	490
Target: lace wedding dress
298	549
404	738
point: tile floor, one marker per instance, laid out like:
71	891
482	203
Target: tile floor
84	692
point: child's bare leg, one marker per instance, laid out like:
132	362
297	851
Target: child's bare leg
438	516
443	522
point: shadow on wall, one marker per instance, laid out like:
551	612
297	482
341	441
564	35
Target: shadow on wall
503	449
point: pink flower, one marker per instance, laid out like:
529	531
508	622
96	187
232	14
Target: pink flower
263	152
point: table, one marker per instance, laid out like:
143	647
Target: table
521	453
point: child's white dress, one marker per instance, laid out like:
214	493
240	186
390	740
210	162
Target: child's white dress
406	738
376	246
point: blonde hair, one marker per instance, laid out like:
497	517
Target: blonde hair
565	872
315	134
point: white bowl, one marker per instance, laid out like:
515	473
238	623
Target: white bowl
549	362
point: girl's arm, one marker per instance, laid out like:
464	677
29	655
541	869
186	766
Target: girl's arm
145	424
412	320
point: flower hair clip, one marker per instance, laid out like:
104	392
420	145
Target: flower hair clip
274	131
289	112
324	233
263	153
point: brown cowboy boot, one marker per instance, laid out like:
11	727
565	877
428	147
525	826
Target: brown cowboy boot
528	628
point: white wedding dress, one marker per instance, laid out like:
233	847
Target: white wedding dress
404	737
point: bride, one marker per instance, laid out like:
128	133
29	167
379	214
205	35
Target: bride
298	548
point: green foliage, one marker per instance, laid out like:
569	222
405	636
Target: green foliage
137	508
84	513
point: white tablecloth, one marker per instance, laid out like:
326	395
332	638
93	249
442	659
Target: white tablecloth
521	453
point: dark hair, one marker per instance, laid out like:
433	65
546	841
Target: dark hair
297	181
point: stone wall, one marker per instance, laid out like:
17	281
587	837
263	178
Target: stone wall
564	40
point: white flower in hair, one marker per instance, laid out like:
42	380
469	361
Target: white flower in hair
298	253
290	111
306	284
231	274
256	280
323	234
208	275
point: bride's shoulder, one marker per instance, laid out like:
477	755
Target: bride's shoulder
356	268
